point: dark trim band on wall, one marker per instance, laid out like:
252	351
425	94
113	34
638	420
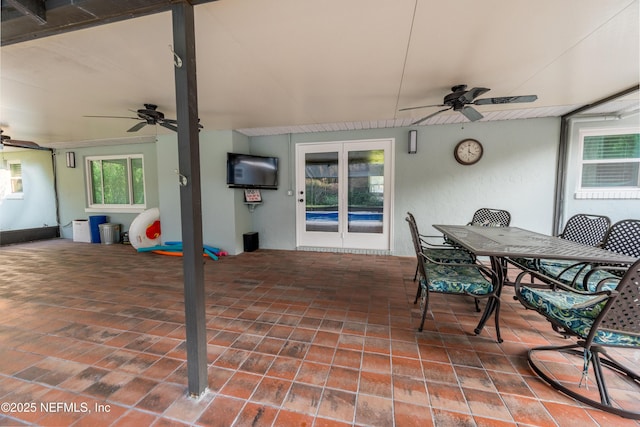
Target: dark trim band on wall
11	237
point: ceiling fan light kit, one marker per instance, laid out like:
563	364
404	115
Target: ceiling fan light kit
460	100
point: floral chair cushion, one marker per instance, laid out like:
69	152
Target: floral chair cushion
553	267
556	269
449	255
609	280
456	280
573	312
529	263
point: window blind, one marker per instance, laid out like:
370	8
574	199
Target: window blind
611	161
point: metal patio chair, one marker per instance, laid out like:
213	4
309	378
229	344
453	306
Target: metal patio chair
454	278
587	229
437	248
600	319
489	217
623	237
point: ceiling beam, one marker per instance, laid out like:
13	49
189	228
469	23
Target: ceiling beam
62	16
34	9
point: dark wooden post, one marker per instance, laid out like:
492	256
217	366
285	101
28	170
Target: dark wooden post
190	195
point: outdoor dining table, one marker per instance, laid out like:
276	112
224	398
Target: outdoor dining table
502	244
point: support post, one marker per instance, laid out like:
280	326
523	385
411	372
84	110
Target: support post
190	195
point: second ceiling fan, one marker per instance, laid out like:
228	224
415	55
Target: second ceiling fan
149	115
6	141
460	100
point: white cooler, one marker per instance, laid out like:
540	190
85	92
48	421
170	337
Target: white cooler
81	231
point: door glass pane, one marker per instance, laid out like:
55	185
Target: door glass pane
321	188
366	191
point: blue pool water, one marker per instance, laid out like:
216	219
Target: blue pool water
332	216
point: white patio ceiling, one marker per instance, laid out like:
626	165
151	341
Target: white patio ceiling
287	66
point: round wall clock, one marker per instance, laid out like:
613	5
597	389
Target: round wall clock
468	151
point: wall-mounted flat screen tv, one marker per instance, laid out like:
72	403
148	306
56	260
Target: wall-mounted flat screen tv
248	171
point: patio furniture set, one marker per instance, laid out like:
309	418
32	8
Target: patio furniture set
585	282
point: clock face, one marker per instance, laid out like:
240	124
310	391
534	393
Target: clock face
468	151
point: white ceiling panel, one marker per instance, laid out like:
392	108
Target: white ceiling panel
283	66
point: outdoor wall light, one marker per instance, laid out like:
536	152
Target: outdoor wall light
413	141
71	159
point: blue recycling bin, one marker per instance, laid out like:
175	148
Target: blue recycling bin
94	226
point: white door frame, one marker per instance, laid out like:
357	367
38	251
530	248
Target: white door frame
342	239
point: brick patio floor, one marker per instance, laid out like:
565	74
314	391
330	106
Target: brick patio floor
93	335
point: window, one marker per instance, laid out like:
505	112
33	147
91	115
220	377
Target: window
610	164
11	180
115	181
15	175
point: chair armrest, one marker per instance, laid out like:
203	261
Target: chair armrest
581	266
425	243
488	272
593	268
555	285
550	283
608	269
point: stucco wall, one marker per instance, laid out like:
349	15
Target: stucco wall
37	205
72	191
517	173
224	215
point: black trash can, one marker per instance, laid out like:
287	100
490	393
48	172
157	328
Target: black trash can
250	241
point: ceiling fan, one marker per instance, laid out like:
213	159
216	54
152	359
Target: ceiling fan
149	115
460	98
6	141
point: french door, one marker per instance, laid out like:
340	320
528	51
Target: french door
344	194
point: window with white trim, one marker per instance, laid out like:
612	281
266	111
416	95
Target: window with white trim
15	176
11	180
609	164
115	181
